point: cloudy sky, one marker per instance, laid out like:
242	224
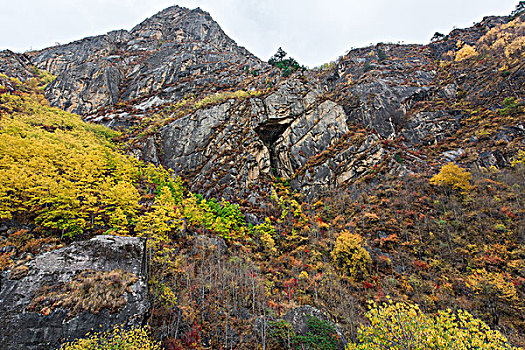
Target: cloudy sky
312	31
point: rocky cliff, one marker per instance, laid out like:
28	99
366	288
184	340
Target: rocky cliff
172	54
304	128
347	151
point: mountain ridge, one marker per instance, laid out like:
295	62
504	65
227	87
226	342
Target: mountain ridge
395	171
168	33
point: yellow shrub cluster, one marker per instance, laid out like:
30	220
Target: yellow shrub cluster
350	255
265	232
519	158
466	52
452	176
405	326
116	339
68	176
506	40
493	284
59	171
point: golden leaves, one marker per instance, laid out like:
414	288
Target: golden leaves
452	176
350	255
404	326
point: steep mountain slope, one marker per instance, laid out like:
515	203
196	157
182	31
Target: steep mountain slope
340	177
393	91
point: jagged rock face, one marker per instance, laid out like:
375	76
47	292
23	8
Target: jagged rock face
173	53
310	134
244	141
304	128
379	95
431	127
184	139
85	87
226	148
14	65
229	147
24	329
217	146
297	124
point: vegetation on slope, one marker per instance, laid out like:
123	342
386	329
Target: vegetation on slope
446	237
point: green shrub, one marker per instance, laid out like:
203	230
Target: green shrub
286	65
320	335
367	67
510	107
381	55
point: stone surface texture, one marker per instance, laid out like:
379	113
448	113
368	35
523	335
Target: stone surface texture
22	329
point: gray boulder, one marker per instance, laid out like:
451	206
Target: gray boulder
23	328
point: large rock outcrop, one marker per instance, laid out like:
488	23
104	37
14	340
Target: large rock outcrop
247	140
44	327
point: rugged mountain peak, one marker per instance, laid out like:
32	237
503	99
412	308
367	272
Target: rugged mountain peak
181	25
174	53
409	156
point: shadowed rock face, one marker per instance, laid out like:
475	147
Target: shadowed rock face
24	329
246	139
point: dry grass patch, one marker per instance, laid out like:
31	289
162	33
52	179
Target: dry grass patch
88	291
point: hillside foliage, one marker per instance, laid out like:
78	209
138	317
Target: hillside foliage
415	231
405	326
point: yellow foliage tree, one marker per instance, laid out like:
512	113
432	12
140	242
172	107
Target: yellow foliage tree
64	174
492	283
496	291
452	176
505	41
519	158
466	52
157	224
349	254
265	233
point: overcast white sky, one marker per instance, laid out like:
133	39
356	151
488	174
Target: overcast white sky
312	31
